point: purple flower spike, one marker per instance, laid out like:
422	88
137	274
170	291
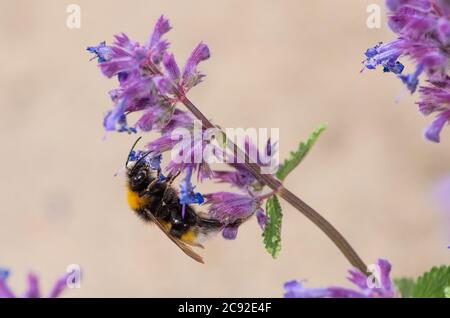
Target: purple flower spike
423	35
378	286
33	290
229	207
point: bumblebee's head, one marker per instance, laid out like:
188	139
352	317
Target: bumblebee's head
139	171
139	176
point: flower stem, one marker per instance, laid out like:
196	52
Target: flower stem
287	195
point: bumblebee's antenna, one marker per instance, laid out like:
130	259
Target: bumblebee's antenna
131	150
140	159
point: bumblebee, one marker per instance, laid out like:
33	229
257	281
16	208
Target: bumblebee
155	200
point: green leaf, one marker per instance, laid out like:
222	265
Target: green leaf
432	284
296	157
404	286
447	292
272	230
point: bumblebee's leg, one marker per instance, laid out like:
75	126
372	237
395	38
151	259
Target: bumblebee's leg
171	178
163	212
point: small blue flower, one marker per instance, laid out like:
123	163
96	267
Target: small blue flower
154	161
4	273
385	55
101	51
187	194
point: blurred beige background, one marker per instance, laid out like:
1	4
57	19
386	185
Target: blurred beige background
287	64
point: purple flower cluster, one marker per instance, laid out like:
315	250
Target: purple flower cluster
423	29
366	287
33	290
151	84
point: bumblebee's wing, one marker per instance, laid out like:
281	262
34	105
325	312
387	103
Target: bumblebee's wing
186	249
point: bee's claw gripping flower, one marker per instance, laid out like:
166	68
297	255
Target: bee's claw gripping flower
423	29
367	288
33	290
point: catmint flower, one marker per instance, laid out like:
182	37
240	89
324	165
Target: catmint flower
151	83
33	290
366	287
229	207
144	84
423	30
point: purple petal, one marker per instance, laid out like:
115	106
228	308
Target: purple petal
443	28
385	271
239	178
262	218
5	292
162	84
412	80
230	207
153	118
115	119
230	232
294	289
357	278
190	75
59	286
445	6
162	144
161	27
179	119
171	67
33	287
341	292
433	131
